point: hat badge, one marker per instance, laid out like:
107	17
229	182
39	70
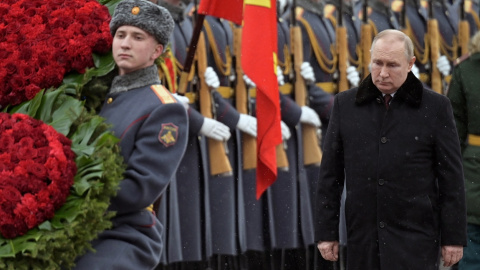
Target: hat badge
135	10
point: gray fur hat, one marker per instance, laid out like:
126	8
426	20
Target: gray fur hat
145	15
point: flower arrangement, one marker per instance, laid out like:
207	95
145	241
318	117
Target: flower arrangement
37	168
57	241
59	164
41	41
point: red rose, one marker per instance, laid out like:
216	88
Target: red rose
42	168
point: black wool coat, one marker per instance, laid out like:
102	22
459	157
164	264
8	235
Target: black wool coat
403	174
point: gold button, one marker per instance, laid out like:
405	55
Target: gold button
135	10
109	100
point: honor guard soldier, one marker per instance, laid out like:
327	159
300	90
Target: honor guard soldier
472	7
254	250
286	246
226	190
320	72
447	18
153	131
413	18
352	53
381	16
352	24
186	208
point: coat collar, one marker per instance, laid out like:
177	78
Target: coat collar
410	91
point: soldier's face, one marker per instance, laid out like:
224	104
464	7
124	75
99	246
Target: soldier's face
134	49
389	65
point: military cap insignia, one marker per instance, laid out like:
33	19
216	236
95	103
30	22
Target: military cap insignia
168	134
135	10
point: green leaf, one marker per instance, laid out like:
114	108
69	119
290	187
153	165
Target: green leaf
103	63
44	112
29	107
66	114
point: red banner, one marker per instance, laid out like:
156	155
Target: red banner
259	50
230	10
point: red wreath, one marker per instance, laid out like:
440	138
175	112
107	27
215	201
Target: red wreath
41	41
37	169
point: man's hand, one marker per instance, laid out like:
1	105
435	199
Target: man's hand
211	78
310	117
306	70
183	100
443	65
280	77
353	76
329	250
451	255
249	82
286	134
247	124
215	130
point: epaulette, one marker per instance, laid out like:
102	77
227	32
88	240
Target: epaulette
163	94
461	59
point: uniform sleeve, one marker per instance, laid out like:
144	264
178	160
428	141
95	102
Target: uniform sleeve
195	121
321	102
449	172
159	147
225	112
459	104
330	184
290	111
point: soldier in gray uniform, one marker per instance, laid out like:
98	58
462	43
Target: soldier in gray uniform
152	127
226	190
416	20
189	245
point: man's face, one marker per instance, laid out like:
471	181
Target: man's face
134	49
389	65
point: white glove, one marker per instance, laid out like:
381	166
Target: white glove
280	78
286	134
211	78
353	76
182	99
249	82
247	124
416	71
310	117
215	130
306	71
443	65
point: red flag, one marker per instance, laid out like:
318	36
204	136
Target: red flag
259	51
230	10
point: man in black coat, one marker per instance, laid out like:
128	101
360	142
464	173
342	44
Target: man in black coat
400	161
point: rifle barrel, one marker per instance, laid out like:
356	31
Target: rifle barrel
340	13
365	11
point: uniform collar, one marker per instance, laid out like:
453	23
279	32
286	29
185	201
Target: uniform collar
411	91
136	79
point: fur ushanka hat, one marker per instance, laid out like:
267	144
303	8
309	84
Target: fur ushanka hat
145	15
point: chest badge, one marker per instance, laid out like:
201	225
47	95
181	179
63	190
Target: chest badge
168	134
